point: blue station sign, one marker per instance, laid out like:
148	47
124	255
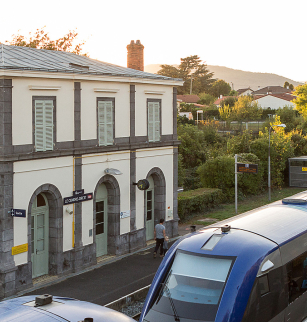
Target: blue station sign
18	213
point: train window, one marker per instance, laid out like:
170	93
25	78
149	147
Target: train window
297	277
194	286
264	285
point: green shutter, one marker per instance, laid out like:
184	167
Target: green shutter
43	125
105	122
153	121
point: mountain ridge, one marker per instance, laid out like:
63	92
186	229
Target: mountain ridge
237	78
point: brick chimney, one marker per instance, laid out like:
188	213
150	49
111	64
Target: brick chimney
135	55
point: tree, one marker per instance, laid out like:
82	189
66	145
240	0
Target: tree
206	99
229	101
288	85
220	87
301	100
41	40
193	72
244	109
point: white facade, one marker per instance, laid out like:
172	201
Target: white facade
65	236
273	102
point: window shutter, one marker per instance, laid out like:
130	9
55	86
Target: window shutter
150	121
105	122
39	125
44	125
48	125
153	121
157	121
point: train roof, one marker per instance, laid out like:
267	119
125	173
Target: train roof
280	221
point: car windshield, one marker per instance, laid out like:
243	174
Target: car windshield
195	284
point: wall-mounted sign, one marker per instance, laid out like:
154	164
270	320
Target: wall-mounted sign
247	168
80	198
304	168
19	249
124	214
18	213
78	192
142	184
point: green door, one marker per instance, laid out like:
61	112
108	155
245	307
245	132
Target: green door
149	210
101	221
40	236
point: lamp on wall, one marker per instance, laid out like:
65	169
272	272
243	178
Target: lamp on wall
112	171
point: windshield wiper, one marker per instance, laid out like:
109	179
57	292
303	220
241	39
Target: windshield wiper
172	303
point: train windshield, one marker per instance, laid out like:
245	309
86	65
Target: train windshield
193	287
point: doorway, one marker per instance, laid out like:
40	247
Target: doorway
149	210
101	221
40	236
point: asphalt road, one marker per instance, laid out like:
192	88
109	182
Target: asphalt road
109	282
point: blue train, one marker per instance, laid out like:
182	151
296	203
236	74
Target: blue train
251	267
45	308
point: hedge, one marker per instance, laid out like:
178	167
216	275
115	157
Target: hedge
199	200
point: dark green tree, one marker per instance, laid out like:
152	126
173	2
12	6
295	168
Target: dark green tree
220	87
194	73
41	40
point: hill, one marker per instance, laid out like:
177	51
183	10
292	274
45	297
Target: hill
239	78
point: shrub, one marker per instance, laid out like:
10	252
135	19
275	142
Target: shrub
199	200
220	173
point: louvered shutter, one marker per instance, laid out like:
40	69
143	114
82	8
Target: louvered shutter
48	125
39	125
44	125
157	121
105	122
150	121
153	121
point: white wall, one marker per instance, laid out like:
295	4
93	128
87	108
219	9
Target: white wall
28	176
89	108
22	131
93	167
145	161
273	102
141	107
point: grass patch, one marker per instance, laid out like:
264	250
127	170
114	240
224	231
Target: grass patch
225	211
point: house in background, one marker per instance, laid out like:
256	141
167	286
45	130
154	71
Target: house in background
272	90
275	101
88	161
189	99
245	91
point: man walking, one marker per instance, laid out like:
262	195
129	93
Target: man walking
159	235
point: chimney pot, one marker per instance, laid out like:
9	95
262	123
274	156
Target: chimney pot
135	55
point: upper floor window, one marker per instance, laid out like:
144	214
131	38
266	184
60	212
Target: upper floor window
154	120
44	124
105	117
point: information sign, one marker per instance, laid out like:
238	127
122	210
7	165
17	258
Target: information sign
124	214
78	192
80	198
18	213
247	168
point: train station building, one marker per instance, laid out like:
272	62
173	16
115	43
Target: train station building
88	161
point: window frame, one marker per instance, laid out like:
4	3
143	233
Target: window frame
154	100
99	99
44	98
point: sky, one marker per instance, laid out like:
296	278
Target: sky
266	36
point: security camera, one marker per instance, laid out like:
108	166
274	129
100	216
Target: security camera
69	211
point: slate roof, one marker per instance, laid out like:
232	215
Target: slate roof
25	58
272	89
188	98
286	96
242	90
